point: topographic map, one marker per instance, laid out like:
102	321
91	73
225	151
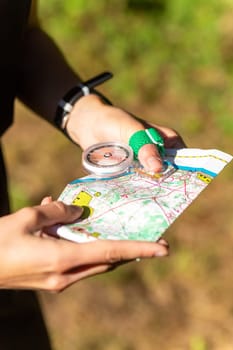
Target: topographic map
137	207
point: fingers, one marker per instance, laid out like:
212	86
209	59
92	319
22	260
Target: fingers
163	242
118	251
79	261
46	200
65	280
149	155
36	218
57	282
66	262
106	252
171	138
48	234
150	158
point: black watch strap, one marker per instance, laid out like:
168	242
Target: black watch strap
66	104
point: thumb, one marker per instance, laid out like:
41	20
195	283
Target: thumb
150	158
38	217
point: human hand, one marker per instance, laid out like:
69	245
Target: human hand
32	261
91	121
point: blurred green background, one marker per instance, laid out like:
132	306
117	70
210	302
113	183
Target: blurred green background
173	64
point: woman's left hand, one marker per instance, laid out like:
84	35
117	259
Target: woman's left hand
91	121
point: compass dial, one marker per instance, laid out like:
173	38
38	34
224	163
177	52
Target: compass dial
107	158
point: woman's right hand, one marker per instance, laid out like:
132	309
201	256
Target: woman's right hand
32	261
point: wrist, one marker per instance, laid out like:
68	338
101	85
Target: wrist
86	104
85	116
68	101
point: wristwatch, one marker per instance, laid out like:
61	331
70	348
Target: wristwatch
66	104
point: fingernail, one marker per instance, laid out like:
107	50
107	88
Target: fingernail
46	200
163	242
76	209
160	253
154	164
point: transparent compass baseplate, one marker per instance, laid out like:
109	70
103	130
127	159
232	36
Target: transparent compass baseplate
113	159
167	170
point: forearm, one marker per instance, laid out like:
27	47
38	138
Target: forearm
44	75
